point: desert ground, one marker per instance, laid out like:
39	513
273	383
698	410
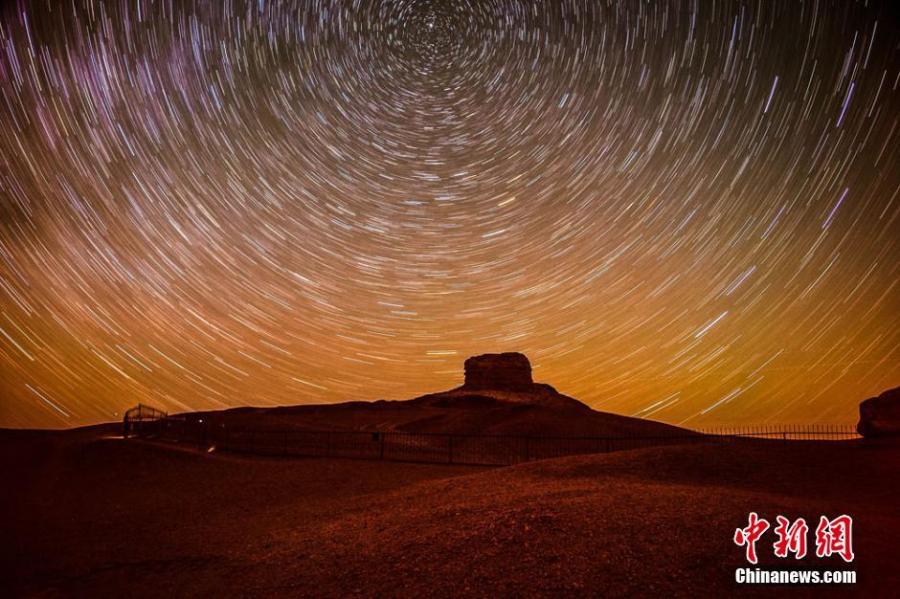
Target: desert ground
85	513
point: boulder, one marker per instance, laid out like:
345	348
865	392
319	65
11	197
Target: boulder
880	416
509	371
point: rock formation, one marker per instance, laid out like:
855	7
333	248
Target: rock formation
509	371
500	379
880	416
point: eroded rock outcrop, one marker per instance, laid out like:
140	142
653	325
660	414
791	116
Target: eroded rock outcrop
880	416
497	380
510	371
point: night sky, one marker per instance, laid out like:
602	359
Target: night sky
682	210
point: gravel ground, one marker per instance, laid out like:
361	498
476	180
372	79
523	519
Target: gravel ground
92	515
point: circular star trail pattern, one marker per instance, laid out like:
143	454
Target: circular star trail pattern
686	211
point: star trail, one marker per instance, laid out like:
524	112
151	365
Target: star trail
686	211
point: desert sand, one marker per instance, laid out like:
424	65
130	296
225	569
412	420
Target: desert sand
90	514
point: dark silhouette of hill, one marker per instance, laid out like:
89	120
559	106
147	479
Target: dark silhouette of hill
497	397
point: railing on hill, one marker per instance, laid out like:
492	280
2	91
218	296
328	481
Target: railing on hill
802	432
487	450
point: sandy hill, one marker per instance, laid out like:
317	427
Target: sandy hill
497	397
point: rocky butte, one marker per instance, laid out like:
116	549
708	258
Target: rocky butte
504	377
509	371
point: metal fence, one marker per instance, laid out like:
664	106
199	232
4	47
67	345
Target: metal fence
487	450
803	432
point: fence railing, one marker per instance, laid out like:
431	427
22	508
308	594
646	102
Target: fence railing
804	432
488	450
